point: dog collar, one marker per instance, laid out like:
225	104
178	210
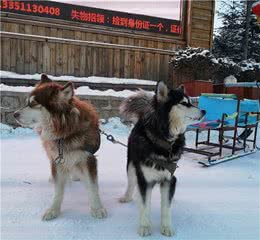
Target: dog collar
170	165
159	142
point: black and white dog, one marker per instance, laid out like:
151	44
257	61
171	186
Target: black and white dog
155	145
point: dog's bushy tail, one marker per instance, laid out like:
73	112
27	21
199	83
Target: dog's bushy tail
136	106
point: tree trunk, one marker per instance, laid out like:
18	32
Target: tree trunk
248	16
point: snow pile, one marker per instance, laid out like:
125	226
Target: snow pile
7	131
79	91
115	126
109	92
192	56
230	79
4	87
249	65
92	79
111	126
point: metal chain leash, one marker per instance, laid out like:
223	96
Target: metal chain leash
60	158
111	138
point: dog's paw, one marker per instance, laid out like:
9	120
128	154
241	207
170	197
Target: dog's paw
50	214
145	231
125	199
98	212
167	231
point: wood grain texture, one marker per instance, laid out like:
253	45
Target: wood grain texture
58	47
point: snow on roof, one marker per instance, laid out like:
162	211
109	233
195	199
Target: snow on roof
249	65
92	79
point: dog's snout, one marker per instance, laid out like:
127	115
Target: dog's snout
16	115
203	112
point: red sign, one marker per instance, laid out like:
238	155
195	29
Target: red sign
95	16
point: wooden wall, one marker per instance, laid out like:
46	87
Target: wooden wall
35	45
200	23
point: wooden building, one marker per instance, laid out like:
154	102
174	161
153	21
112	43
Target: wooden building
36	44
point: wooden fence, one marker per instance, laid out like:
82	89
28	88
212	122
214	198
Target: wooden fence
35	44
25	53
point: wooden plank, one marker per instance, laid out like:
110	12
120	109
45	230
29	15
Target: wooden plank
65	56
110	62
14	27
40	46
33	57
156	67
127	64
3	26
89	59
59	59
202	17
106	64
59	54
200	43
83	61
78	35
83	43
164	67
201	34
77	59
46	57
94	61
147	65
28	29
100	62
41	31
20	56
137	64
116	65
122	63
5	55
27	58
52	47
71	59
202	4
13	52
201	12
201	24
132	64
53	32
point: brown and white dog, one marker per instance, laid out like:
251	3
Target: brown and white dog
67	124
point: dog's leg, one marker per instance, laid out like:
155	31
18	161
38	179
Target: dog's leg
59	177
89	177
145	193
167	191
131	182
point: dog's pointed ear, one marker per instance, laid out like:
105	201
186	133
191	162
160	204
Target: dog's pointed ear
45	79
182	88
161	91
68	90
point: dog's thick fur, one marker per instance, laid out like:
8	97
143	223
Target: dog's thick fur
161	119
57	114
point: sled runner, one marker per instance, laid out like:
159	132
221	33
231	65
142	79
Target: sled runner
226	113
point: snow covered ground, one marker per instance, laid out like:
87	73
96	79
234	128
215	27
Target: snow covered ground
221	202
